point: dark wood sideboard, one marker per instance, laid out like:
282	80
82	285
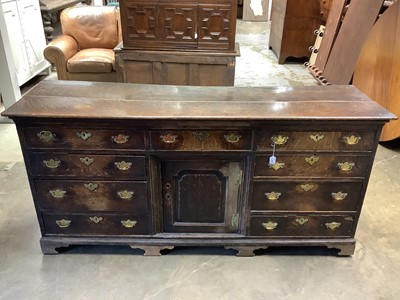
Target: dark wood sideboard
155	167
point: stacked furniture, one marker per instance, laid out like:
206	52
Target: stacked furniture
178	43
156	166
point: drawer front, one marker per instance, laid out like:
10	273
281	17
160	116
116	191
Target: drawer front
302	226
81	138
87	165
72	195
314	141
306	196
201	140
96	224
306	165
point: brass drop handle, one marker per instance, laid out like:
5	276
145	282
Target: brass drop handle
316	137
87	160
83	135
301	221
351	140
270	225
46	136
232	138
169	138
120	138
96	219
125	194
312	160
57	193
339	196
273	195
279	139
90	186
128	223
333	225
123	165
346	166
63	223
276	166
52	163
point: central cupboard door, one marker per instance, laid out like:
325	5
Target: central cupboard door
202	195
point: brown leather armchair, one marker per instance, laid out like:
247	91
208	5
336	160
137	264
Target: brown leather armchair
85	49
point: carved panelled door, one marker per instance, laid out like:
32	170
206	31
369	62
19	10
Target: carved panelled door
201	196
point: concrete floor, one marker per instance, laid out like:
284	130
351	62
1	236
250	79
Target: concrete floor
373	272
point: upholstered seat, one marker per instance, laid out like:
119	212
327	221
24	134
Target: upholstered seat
85	50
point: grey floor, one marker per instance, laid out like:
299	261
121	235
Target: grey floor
373	272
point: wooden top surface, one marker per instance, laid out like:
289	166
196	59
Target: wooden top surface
100	100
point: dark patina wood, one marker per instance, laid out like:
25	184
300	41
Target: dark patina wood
155	167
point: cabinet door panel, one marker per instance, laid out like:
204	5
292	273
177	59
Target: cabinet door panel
201	196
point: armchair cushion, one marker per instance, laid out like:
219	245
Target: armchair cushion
94	60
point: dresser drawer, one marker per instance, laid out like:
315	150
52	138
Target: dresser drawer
81	138
315	141
96	224
87	165
74	195
306	165
306	196
201	140
302	226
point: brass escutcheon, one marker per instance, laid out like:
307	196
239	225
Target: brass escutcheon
201	135
96	219
63	223
333	225
169	138
123	165
301	220
52	163
351	140
91	186
272	195
126	195
316	137
308	187
128	223
339	196
346	166
83	135
312	160
120	138
279	139
232	138
270	225
87	160
46	136
57	193
276	166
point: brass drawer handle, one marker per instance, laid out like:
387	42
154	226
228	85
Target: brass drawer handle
316	137
91	186
333	225
87	160
270	225
339	196
57	193
276	166
308	187
52	163
279	139
120	138
63	223
83	135
201	135
169	138
312	160
123	165
46	136
232	138
128	223
301	221
126	195
273	195
96	219
346	166
351	140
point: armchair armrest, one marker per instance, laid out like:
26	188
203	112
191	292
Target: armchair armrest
59	51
